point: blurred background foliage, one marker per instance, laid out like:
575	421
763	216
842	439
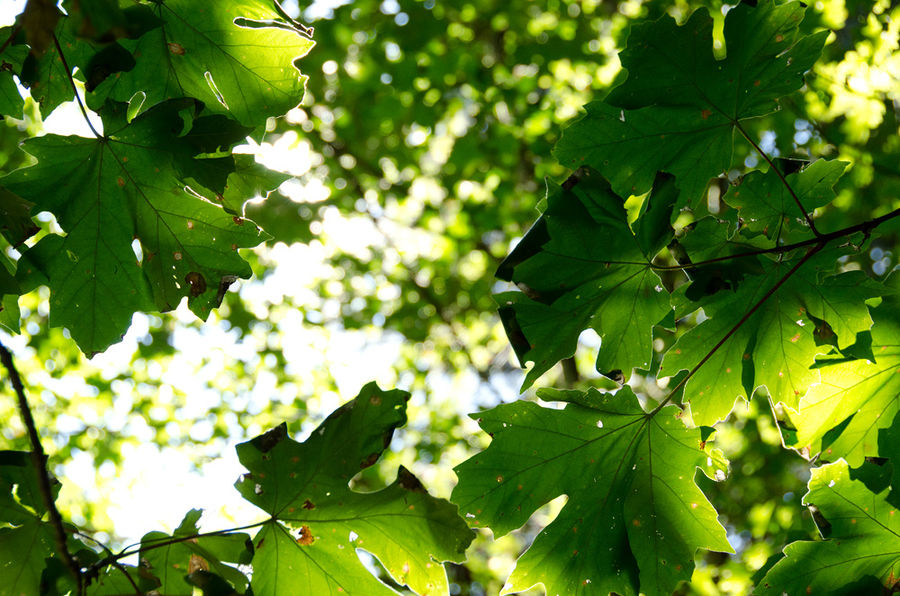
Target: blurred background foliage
417	160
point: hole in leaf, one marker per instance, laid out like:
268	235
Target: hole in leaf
212	86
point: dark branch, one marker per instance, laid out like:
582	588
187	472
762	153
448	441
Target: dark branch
39	459
865	227
738	325
163	542
65	64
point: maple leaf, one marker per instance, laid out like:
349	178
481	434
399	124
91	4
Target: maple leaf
775	345
107	192
855	398
165	568
582	267
766	205
634	516
210	51
678	113
862	539
318	522
11	59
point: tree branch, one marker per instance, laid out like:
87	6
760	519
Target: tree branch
65	64
39	459
865	227
737	326
162	542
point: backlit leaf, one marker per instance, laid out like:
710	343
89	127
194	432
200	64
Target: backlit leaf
211	51
582	267
860	395
775	345
679	115
319	522
863	539
105	193
634	516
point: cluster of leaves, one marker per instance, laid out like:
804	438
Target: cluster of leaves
781	316
168	128
761	298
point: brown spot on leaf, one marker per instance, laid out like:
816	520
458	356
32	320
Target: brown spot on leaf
197	283
176	48
197	563
238	220
307	504
306	538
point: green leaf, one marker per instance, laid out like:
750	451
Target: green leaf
20	496
45	74
113	581
860	395
107	192
9	313
863	539
329	565
634	516
16	224
582	267
164	569
23	550
212	52
26	545
11	101
679	107
248	180
766	205
775	345
318	522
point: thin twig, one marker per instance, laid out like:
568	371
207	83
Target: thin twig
806	216
865	227
68	70
163	542
114	563
39	459
737	326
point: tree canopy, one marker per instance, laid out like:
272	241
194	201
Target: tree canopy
314	248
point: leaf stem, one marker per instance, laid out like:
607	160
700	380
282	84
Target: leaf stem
162	542
68	70
39	459
115	564
806	216
771	291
